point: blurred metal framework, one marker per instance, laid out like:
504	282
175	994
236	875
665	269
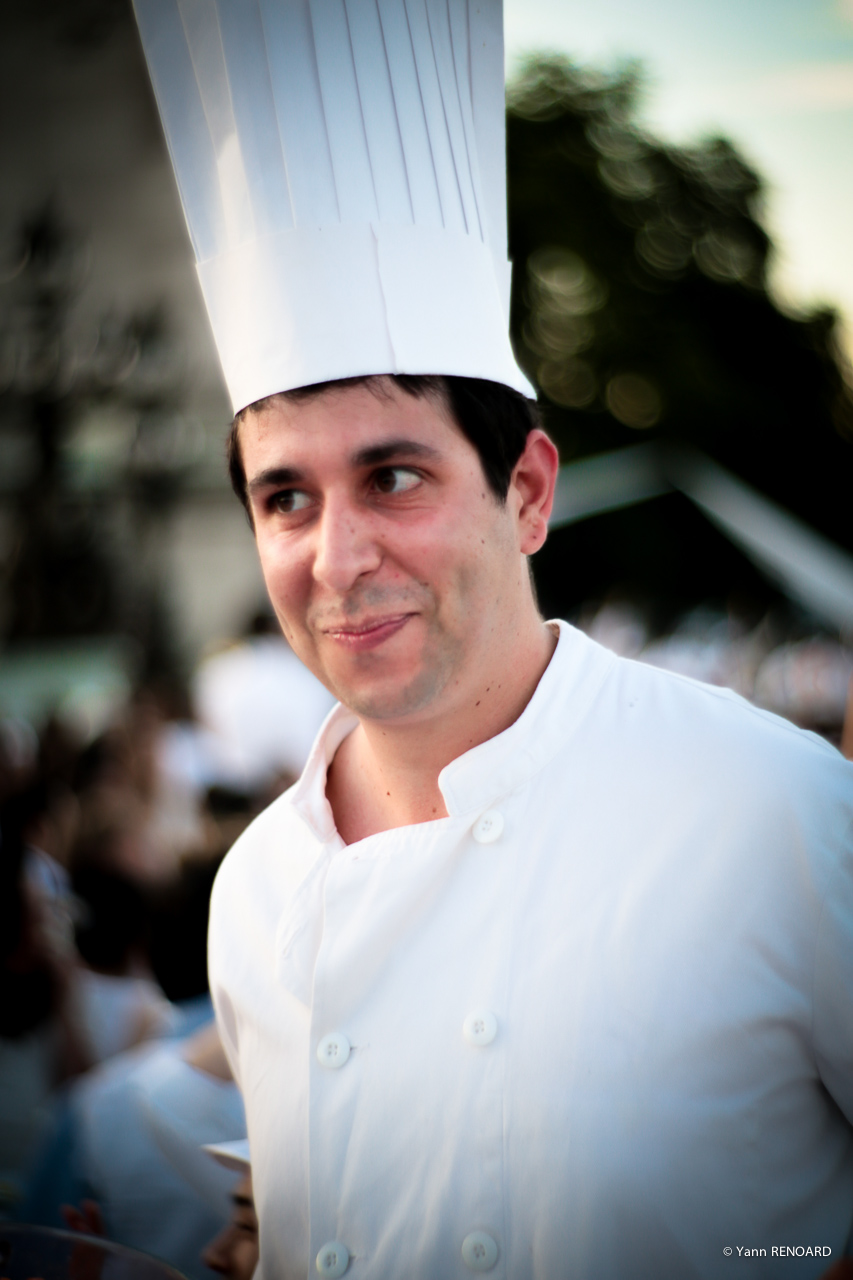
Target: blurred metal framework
808	567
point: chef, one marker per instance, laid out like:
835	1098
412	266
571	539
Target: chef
544	966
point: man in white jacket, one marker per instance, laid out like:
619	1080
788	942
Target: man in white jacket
544	965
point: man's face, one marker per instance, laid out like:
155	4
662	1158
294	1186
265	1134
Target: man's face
388	560
234	1252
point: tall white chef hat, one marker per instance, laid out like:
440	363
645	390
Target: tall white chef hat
341	166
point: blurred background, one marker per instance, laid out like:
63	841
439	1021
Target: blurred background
678	177
680	182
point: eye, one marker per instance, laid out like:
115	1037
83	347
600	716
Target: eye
396	479
287	501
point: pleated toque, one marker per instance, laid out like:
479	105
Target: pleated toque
341	165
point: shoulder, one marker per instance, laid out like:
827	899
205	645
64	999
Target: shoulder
708	718
703	748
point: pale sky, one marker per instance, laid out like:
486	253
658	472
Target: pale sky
775	76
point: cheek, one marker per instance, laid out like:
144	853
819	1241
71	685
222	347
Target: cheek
286	580
477	559
443	548
244	1259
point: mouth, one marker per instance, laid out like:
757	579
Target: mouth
368	635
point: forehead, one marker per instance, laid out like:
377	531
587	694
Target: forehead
341	423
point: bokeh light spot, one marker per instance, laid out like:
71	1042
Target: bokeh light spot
633	400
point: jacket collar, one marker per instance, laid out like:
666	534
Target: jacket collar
503	764
479	778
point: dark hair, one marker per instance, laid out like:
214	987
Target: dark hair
179	921
28	987
494	418
112	919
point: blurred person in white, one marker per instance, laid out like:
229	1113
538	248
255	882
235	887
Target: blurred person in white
262	707
545	965
140	1176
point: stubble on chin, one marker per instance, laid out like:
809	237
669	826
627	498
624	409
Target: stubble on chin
380	697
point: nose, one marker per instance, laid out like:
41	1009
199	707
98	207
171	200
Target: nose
347	546
216	1254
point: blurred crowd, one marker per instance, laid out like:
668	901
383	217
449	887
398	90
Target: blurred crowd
111	1074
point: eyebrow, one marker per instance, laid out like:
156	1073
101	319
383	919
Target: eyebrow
274	476
373	455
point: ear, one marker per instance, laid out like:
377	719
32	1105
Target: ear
533	481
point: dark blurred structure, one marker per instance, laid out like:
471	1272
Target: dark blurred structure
641	308
112	414
179	916
71	572
27	980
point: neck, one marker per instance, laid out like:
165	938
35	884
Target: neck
385	774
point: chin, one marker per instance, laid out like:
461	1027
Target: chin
391	699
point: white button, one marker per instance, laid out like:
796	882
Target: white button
333	1051
479	1251
480	1027
333	1259
488	827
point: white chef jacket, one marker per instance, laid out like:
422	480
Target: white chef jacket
644	890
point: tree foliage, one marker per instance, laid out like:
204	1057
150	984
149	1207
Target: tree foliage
641	304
